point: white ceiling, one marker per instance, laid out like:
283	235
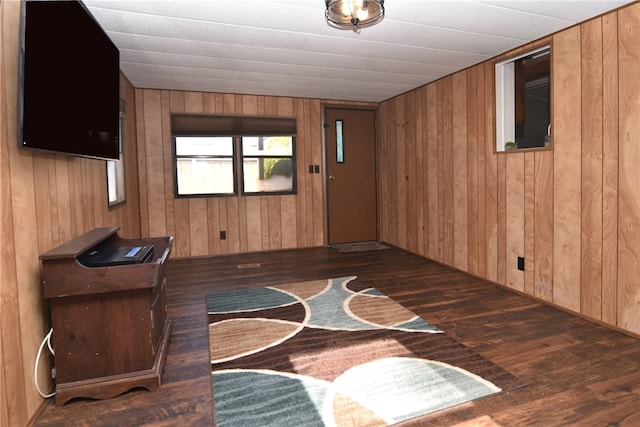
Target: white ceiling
285	47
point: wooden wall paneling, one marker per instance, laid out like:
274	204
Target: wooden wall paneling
198	227
395	177
567	175
132	207
99	210
224	225
209	105
75	203
14	396
141	148
302	162
629	190
501	221
153	163
12	405
233	213
254	224
233	225
289	225
401	167
237	103
381	136
63	200
591	242
385	145
303	155
433	173
514	223
317	150
265	222
27	327
411	170
491	177
270	105
610	167
55	231
213	216
420	175
309	224
175	207
164	159
529	223
543	218
44	202
275	222
448	203
482	152
285	107
194	102
15	404
472	184
84	184
228	103
423	137
182	228
389	201
219	102
250	105
459	171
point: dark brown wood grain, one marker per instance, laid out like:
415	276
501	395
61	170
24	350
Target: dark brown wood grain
110	330
576	372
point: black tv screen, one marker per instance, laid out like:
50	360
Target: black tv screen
70	80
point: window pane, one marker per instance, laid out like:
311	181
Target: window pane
204	146
267	175
205	176
523	102
115	173
267	146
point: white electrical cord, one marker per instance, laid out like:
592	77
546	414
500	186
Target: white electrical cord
47	339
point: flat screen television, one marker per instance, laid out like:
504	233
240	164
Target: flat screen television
69	81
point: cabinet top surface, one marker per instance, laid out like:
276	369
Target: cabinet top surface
75	247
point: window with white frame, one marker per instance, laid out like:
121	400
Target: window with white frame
523	100
116	190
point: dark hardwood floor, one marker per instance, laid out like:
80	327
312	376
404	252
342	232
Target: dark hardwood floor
577	373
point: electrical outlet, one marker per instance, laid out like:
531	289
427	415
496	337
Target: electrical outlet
223	235
53	372
520	263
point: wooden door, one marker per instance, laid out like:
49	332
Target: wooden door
350	137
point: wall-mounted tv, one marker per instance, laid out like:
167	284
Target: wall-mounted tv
69	81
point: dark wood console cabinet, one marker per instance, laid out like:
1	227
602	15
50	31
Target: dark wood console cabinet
110	330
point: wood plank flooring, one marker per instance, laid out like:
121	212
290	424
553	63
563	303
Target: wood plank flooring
577	373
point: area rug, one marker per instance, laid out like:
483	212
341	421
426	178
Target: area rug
360	247
335	352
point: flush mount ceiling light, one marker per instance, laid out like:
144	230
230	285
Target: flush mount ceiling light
354	14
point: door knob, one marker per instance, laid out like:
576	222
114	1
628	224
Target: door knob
332	177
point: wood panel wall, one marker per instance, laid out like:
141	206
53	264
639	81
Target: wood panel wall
573	211
45	200
253	223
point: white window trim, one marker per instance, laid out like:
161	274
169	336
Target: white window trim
505	98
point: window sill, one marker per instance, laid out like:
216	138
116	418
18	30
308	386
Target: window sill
526	150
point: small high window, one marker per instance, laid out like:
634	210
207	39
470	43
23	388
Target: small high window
523	101
116	190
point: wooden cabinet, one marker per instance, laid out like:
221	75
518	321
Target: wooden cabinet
110	330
